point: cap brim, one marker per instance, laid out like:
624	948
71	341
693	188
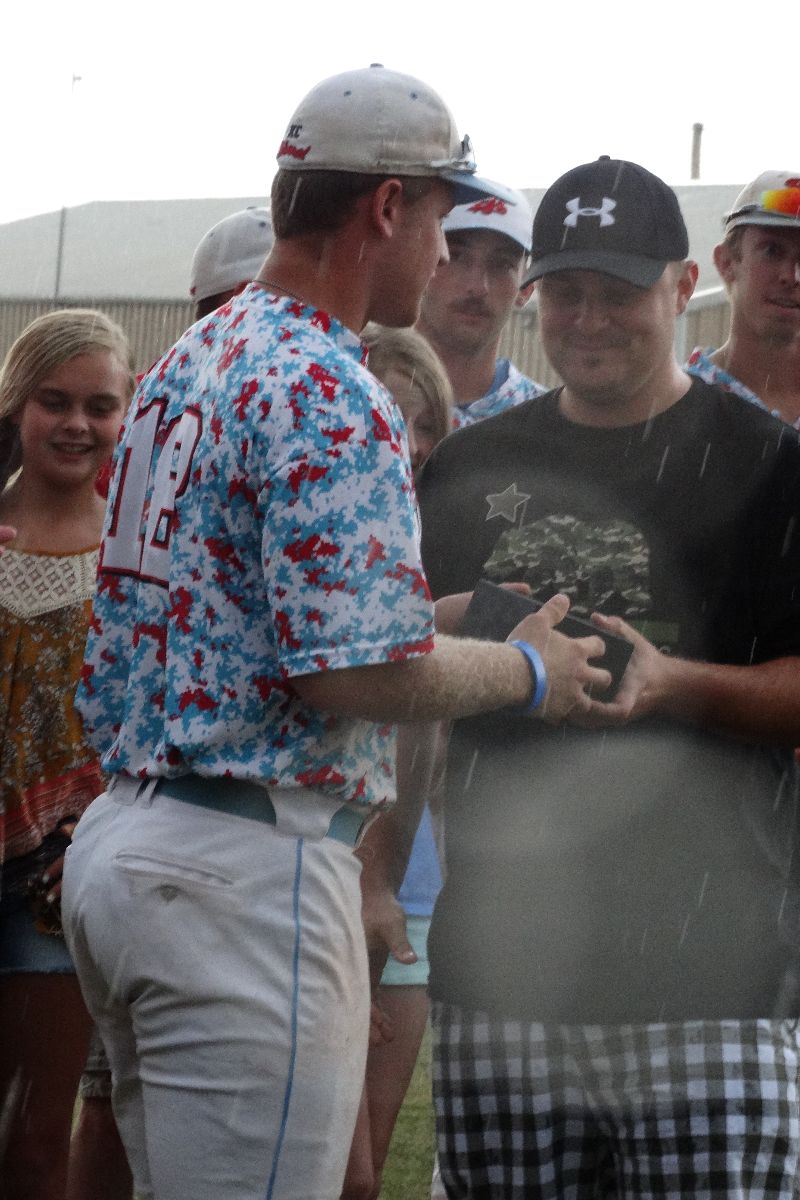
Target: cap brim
775	220
633	268
468	187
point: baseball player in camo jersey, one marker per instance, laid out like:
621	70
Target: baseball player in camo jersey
759	263
261	617
469	300
228	257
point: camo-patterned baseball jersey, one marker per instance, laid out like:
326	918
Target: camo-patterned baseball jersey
261	525
515	388
699	363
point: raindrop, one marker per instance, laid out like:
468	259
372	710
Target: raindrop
701	897
468	780
787	541
685	929
295	190
705	460
11	1104
779	794
663	464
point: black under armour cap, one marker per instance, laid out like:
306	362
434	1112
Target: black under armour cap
610	216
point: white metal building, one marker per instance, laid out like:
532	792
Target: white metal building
132	258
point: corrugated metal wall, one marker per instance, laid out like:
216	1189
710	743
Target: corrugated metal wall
153	325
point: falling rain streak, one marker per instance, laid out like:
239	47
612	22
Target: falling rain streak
295	190
703	886
470	772
664	457
705	460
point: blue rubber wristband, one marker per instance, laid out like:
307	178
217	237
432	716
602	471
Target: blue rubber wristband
538	671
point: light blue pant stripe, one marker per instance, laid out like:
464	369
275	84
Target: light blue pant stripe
295	995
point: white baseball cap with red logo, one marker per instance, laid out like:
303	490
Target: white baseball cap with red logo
514	220
379	122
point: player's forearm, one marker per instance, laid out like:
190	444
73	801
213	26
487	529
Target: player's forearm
459	678
759	703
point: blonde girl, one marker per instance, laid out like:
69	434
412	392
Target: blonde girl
64	389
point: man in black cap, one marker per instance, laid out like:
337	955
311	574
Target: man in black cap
613	957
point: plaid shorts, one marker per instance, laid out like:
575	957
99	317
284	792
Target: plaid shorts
703	1109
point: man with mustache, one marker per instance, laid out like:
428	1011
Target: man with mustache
469	300
759	261
614	954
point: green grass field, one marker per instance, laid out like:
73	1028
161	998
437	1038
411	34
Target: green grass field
407	1174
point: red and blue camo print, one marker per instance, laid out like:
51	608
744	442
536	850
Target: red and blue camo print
261	524
514	390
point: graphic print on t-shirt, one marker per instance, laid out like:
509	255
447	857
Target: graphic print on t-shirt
603	566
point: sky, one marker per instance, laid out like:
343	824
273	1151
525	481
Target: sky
167	99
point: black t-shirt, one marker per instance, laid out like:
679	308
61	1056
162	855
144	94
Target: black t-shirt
644	873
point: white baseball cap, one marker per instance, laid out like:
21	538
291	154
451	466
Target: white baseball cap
379	122
771	199
514	220
231	253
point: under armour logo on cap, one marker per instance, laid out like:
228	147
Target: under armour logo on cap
610	216
604	212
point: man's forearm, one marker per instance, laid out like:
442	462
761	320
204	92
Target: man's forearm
462	677
759	703
459	678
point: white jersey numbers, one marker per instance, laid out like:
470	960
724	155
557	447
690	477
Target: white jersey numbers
153	473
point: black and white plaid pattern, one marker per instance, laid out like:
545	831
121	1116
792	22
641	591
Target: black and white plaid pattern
699	1110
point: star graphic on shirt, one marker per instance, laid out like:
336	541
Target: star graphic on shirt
505	504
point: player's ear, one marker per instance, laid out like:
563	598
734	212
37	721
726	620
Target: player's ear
724	262
686	282
386	206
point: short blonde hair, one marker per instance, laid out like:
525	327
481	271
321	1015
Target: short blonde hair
407	351
51	340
